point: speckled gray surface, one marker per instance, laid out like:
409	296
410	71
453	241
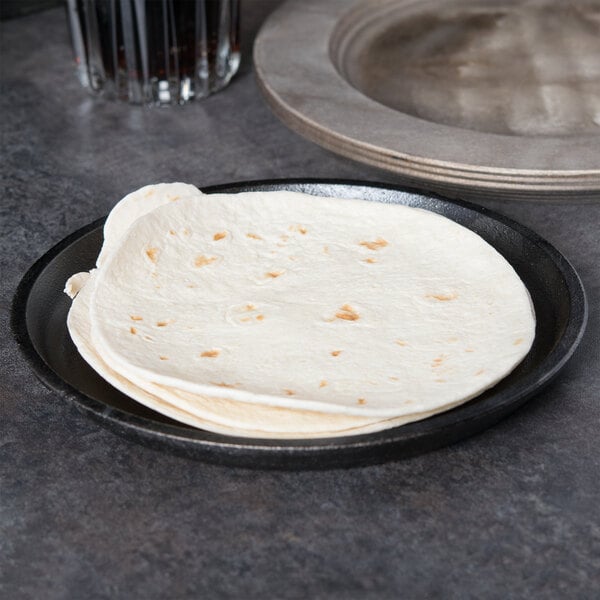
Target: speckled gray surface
511	513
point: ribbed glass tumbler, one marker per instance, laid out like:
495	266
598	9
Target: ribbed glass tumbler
155	52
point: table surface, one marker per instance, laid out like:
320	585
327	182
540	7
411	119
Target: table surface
510	513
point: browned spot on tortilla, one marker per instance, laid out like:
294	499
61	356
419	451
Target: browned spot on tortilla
274	274
186	231
361	401
249	307
439	360
442	297
336	352
202	261
480	372
133	330
148	338
260	317
172	232
149	193
163	357
375	245
518	341
219	236
210	353
253	236
347	313
173	198
469	350
246	319
370	260
135	318
223	384
284	237
152	254
162	323
401	343
325	249
289	392
323	383
191	285
300	228
394	378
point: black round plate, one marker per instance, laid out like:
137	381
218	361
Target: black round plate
40	309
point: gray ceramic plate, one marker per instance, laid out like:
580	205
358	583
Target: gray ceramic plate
474	98
40	312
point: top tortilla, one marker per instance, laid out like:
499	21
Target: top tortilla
335	306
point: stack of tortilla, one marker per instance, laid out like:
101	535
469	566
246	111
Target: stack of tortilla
286	315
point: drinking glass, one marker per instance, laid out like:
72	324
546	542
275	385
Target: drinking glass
156	52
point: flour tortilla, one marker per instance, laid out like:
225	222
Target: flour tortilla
311	304
219	415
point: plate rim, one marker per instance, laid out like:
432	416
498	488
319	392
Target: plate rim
306	453
308	119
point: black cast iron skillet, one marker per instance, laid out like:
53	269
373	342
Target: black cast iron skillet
40	309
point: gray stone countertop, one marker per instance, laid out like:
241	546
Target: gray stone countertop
510	513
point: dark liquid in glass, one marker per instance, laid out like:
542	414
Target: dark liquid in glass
155	51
